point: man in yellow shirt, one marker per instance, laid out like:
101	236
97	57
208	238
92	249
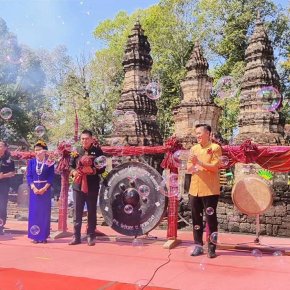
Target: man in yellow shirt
203	163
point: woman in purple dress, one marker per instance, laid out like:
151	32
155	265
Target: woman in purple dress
39	177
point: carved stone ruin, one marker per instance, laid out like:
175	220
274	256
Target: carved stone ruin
197	105
256	122
139	128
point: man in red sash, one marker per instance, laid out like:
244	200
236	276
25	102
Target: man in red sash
86	182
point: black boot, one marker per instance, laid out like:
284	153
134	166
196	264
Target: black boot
91	240
211	251
75	241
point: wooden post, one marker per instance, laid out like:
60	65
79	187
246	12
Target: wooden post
172	217
62	215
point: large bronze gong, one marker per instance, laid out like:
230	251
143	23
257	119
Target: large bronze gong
125	207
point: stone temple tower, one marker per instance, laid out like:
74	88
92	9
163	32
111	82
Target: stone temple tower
196	106
136	124
255	122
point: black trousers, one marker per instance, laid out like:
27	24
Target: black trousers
80	198
207	204
4	190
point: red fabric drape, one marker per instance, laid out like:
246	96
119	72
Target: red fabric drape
274	158
280	162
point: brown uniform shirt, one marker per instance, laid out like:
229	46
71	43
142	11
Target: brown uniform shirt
205	182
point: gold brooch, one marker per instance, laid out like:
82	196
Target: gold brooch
74	154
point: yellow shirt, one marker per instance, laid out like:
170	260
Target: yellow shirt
205	182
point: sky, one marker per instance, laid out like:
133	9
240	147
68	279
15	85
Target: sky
49	23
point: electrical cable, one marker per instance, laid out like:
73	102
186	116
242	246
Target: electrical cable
154	273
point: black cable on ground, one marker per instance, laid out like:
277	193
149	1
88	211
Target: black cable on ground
154	273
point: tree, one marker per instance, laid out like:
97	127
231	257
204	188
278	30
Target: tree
82	93
168	30
21	84
56	65
19	125
223	27
10	55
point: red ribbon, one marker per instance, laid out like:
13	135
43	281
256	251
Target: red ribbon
172	145
250	152
63	149
84	168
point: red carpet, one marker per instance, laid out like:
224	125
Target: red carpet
15	279
113	262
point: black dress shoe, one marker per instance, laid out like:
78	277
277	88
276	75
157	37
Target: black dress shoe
75	241
211	252
198	250
91	241
34	242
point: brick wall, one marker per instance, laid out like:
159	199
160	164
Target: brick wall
274	222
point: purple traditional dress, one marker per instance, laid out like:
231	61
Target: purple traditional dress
39	174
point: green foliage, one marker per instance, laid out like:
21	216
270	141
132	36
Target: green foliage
223	27
168	35
19	126
228	120
22	80
48	87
